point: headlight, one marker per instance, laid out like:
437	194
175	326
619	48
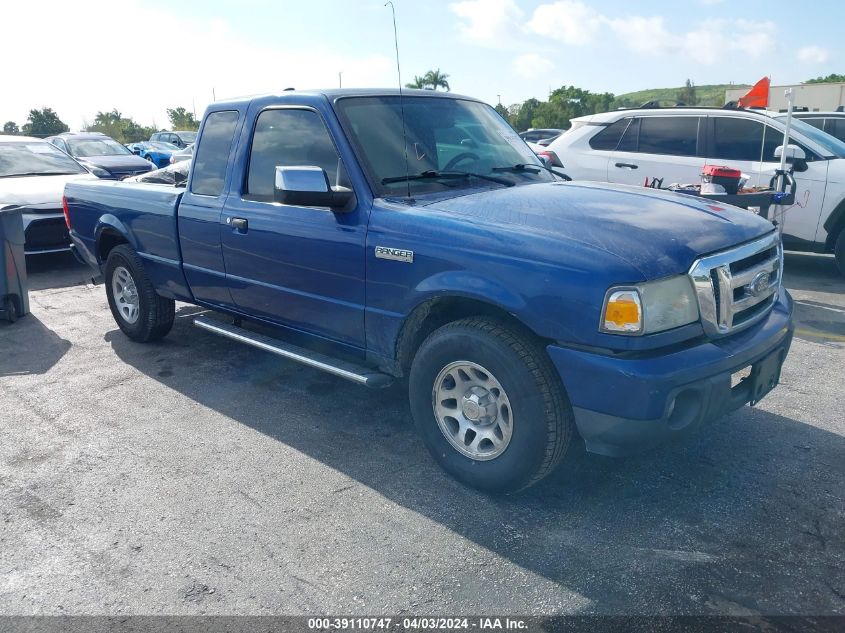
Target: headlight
99	172
649	307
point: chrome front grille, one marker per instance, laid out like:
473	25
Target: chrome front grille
738	287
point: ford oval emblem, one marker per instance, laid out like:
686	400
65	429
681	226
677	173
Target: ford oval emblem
759	284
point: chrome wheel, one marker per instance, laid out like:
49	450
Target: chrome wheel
472	410
125	294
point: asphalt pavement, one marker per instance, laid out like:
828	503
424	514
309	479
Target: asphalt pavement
199	476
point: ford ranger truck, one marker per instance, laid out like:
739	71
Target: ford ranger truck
379	235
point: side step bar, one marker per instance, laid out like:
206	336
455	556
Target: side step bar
349	371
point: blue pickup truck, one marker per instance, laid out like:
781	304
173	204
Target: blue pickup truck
380	235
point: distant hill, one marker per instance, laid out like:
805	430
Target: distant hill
707	95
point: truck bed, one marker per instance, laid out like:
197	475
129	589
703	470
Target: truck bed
143	213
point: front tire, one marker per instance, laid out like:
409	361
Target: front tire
139	311
489	405
839	252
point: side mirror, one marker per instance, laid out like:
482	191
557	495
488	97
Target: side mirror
793	153
308	186
795	156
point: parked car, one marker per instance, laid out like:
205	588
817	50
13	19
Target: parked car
185	154
628	146
174	174
831	122
33	174
518	306
156	152
104	156
180	139
540	136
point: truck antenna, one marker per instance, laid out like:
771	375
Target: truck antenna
401	100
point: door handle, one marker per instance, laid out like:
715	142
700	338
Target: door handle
628	165
239	224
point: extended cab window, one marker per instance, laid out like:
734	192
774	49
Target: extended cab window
289	138
672	135
212	155
609	137
737	139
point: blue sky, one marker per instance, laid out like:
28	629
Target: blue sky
142	56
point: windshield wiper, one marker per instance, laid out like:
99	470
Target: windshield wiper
532	169
433	174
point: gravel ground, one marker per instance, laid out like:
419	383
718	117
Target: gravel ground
199	476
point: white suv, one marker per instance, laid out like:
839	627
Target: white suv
629	146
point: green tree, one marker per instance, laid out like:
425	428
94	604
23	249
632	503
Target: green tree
502	110
120	128
521	121
418	83
687	94
436	79
181	119
44	122
830	79
10	127
432	80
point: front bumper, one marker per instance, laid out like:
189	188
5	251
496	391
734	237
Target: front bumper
45	233
623	404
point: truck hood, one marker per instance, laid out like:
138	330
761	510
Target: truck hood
37	191
658	233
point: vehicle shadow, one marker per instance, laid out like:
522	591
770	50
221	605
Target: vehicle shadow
738	518
55	270
29	347
808	271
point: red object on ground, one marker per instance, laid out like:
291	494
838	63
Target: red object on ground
758	96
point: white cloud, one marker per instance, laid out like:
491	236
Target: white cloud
569	21
813	54
532	66
207	55
707	44
488	22
645	35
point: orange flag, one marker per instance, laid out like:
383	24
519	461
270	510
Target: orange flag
758	96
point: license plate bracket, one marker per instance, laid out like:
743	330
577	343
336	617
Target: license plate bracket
765	375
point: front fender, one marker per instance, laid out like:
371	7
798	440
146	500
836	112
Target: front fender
469	285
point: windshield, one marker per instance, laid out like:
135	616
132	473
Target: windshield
828	142
84	148
35	158
188	137
444	135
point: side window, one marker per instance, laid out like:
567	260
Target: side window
609	137
212	155
774	139
675	136
836	127
155	137
819	123
737	139
631	138
289	138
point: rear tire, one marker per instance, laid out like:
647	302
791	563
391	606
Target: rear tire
839	252
10	309
489	405
139	311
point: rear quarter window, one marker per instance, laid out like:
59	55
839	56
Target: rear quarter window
608	138
212	155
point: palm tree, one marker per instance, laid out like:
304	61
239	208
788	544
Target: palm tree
435	79
418	82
